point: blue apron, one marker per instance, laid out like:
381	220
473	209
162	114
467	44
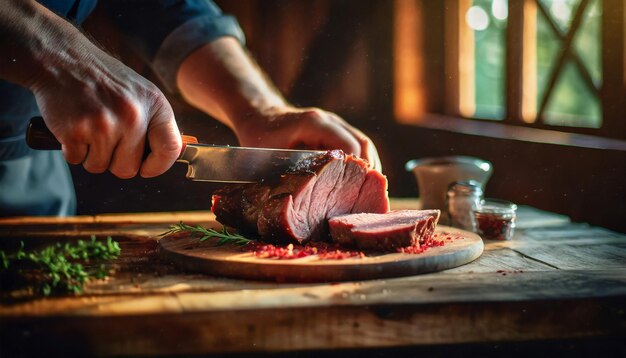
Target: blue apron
33	182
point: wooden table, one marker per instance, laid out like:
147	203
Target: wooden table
554	280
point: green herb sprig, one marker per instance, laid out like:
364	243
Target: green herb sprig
203	234
59	268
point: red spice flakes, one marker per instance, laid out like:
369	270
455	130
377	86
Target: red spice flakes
340	255
328	251
494	227
323	251
420	248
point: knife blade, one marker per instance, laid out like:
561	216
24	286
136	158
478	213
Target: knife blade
206	162
227	164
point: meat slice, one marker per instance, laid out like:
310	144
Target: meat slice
373	189
296	206
384	232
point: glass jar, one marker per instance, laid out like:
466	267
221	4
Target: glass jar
461	200
495	219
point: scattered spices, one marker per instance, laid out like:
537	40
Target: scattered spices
323	250
420	248
505	272
330	251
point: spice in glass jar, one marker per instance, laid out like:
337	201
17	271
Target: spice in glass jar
495	219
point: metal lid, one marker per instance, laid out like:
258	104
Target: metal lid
465	187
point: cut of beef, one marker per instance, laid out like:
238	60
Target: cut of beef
296	206
384	232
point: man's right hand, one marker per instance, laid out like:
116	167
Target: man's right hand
100	110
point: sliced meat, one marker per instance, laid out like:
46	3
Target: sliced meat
296	206
384	232
374	187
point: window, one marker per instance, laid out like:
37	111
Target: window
551	64
567	51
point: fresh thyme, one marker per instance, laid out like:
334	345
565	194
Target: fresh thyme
58	268
203	234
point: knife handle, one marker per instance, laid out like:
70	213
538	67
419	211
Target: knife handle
39	137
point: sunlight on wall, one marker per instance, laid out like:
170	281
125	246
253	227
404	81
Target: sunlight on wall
467	73
408	62
529	63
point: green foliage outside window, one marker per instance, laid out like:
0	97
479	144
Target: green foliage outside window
572	102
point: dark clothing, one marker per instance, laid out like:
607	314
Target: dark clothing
163	32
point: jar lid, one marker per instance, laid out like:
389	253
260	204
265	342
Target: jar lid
465	187
496	206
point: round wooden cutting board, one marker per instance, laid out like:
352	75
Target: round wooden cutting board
233	261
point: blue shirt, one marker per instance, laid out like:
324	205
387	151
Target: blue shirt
163	32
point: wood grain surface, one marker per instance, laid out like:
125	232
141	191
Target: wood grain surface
233	261
552	281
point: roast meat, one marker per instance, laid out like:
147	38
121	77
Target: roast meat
295	207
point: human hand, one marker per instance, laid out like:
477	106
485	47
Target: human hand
221	79
100	111
97	108
306	128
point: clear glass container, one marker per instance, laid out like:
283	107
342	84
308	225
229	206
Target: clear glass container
495	219
461	200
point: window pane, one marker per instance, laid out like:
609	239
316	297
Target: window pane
487	18
548	46
572	102
561	11
587	41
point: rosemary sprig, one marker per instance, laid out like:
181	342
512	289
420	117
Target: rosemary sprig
58	268
203	234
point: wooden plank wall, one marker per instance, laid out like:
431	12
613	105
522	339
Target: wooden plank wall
338	55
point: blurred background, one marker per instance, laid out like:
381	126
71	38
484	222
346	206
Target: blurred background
537	87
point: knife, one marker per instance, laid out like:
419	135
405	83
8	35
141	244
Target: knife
206	162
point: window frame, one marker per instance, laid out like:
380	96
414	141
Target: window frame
612	92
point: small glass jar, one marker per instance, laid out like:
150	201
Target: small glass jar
461	200
495	219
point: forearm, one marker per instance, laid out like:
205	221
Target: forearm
34	41
118	109
221	79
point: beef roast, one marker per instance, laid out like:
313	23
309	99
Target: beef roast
296	206
384	232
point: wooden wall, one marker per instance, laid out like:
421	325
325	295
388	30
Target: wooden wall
338	55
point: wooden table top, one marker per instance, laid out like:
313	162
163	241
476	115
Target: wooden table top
554	279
